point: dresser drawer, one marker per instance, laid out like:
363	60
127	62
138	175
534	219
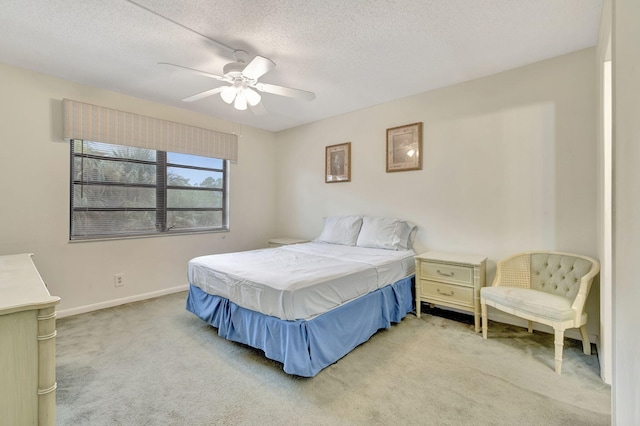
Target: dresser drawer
432	290
462	275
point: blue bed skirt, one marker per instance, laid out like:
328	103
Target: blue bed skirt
306	346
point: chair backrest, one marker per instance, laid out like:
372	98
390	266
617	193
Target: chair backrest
515	271
558	273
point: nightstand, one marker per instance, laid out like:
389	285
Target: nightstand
277	242
452	280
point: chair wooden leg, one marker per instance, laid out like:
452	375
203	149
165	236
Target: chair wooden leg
530	326
559	343
483	309
586	345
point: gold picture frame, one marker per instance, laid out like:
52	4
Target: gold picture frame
337	163
404	148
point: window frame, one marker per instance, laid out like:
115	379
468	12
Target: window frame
161	187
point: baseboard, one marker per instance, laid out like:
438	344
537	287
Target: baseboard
117	302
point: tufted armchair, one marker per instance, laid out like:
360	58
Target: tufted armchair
546	287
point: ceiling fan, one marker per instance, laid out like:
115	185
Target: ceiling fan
243	85
241	77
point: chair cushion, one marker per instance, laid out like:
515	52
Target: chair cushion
558	273
539	303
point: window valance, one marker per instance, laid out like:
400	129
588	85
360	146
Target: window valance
100	124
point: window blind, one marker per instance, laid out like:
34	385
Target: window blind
123	191
99	124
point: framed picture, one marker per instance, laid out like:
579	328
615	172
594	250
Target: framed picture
337	165
404	148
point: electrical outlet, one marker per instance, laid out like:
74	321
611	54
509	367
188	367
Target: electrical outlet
118	280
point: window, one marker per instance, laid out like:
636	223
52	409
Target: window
121	191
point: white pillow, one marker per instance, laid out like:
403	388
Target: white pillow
407	236
340	230
386	233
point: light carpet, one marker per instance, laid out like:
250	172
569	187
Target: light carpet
154	363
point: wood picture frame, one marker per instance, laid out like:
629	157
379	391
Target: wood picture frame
337	163
404	148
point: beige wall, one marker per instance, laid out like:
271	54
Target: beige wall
34	184
626	219
509	165
605	189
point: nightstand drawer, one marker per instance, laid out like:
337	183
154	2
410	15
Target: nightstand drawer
447	273
446	292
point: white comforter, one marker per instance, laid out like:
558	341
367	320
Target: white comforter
299	281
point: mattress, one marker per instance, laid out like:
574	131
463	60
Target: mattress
299	281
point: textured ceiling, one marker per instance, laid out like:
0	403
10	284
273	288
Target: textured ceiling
352	54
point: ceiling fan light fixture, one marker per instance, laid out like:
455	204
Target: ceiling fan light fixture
253	97
228	94
241	101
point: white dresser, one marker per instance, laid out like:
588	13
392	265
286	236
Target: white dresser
452	280
27	344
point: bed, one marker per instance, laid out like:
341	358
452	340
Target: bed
308	305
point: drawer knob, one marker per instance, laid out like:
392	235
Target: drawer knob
450	274
449	293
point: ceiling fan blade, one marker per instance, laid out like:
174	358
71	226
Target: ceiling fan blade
204	73
258	67
204	94
285	91
258	109
215	42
